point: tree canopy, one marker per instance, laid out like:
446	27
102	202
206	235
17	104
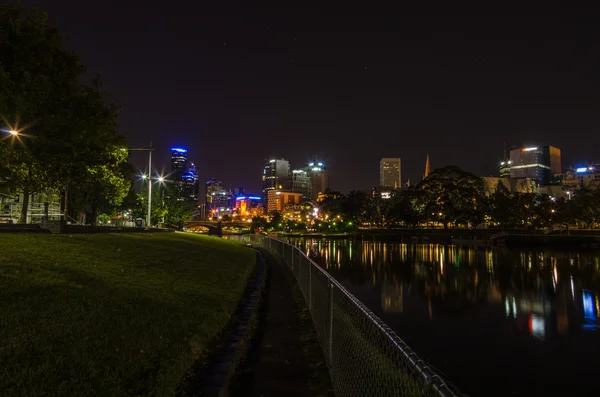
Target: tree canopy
67	133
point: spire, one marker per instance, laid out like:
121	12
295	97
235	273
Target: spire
427	170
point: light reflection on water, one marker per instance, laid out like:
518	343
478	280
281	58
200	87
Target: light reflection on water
496	321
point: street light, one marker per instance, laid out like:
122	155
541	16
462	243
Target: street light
13	132
149	177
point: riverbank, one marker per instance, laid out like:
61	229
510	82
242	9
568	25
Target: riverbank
127	314
471	237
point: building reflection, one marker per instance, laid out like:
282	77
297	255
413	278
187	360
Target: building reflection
545	294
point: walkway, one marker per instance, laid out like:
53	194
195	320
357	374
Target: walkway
284	358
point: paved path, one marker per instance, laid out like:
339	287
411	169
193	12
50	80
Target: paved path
280	362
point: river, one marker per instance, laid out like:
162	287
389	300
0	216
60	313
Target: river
494	321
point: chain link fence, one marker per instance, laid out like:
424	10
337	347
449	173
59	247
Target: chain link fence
364	356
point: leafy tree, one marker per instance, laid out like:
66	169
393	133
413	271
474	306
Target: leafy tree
226	218
68	135
258	224
354	207
276	221
452	195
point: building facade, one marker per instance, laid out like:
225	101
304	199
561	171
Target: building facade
537	163
277	200
390	172
191	185
276	175
588	176
319	179
301	182
178	164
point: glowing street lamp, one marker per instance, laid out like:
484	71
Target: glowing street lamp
13	132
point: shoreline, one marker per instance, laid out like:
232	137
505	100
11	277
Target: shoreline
473	237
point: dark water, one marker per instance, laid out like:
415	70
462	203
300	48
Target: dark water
496	322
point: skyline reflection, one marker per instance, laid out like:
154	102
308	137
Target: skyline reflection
492	296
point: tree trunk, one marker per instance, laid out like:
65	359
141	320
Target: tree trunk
25	205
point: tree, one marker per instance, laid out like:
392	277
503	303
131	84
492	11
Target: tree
276	221
258	224
500	205
452	195
67	134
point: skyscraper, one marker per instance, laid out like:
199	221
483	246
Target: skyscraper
178	164
191	184
301	183
319	178
276	175
538	163
390	172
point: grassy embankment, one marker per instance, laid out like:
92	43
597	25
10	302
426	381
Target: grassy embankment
112	314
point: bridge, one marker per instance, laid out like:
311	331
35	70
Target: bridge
216	228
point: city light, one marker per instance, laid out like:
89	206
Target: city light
144	176
529	149
581	169
13	132
161	179
178	150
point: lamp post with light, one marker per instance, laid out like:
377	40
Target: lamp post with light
149	177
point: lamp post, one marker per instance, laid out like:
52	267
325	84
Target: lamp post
149	149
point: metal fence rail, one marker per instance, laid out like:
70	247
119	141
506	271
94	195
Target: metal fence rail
364	356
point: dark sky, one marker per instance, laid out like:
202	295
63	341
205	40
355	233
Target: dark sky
237	84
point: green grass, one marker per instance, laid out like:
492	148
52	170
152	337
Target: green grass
112	314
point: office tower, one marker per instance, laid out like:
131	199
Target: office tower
276	175
538	163
390	172
191	185
319	179
301	183
427	170
178	164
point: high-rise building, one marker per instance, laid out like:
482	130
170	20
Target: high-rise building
178	163
427	168
276	175
301	183
191	184
319	178
538	163
390	172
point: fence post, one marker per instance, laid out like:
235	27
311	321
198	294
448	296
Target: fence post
330	339
310	286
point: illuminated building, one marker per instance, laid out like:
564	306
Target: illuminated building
191	184
538	163
390	172
178	163
217	199
582	176
318	177
276	175
301	183
245	204
277	200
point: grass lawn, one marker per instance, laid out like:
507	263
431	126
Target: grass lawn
112	314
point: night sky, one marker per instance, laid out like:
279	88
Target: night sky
238	84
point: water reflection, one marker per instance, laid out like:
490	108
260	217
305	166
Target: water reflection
494	297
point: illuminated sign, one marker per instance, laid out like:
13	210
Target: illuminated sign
529	149
254	198
178	150
582	169
241	198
